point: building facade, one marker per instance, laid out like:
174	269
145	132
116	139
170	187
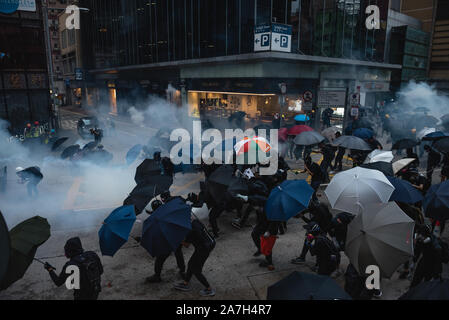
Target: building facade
205	51
24	85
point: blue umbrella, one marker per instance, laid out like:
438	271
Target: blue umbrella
302	117
166	228
435	136
404	191
116	229
133	153
436	201
363	133
288	199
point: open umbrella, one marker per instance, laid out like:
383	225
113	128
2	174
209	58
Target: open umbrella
308	138
298	129
4	247
442	145
428	290
353	189
420	122
404	191
32	173
404	144
435	136
424	132
288	200
147	170
329	133
379	155
306	286
70	151
165	229
436	201
382	236
133	153
351	142
283	134
90	146
362	123
238	186
400	164
249	150
385	167
26	237
218	182
58	143
363	133
302	118
116	229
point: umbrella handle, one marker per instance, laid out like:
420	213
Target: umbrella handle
40	261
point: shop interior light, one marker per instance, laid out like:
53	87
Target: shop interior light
235	93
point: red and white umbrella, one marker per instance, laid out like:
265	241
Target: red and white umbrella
252	144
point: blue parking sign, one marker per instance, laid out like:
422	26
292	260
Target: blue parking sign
284	42
265	41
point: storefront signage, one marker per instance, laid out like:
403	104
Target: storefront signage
331	98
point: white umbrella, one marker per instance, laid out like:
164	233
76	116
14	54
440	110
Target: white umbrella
379	155
351	190
381	235
398	165
329	133
424	132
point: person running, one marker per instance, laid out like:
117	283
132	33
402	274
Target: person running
204	243
90	270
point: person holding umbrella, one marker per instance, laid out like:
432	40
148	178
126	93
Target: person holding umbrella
316	173
90	268
339	157
433	160
204	243
31	175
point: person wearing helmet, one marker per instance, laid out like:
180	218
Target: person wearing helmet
327	256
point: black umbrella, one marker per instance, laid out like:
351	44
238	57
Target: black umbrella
238	185
385	167
146	170
70	151
91	145
218	182
58	143
442	145
32	172
429	290
4	247
306	286
404	144
26	237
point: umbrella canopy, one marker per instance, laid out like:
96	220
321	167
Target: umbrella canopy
298	129
404	191
400	164
219	181
133	153
363	133
351	142
283	134
26	237
421	122
385	167
165	229
288	200
436	201
404	144
308	138
91	145
4	247
147	170
424	132
329	133
353	189
442	145
238	186
428	290
116	229
383	236
58	143
252	144
306	286
302	118
435	136
70	151
379	155
32	172
142	194
361	123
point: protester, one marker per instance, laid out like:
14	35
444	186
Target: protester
327	256
90	270
316	173
433	160
31	175
339	157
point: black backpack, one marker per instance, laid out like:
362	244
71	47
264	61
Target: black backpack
207	239
90	271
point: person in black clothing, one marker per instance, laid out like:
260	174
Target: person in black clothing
328	152
433	160
31	175
430	265
338	164
90	268
204	243
160	260
327	257
374	144
355	285
418	181
317	175
320	214
411	154
339	228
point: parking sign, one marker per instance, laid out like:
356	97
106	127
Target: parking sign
281	37
262	38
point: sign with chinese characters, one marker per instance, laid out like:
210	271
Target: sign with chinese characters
331	98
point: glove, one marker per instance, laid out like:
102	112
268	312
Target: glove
266	234
48	267
310	238
244	198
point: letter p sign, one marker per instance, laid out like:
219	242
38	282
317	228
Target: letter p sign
373	280
265	40
284	42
